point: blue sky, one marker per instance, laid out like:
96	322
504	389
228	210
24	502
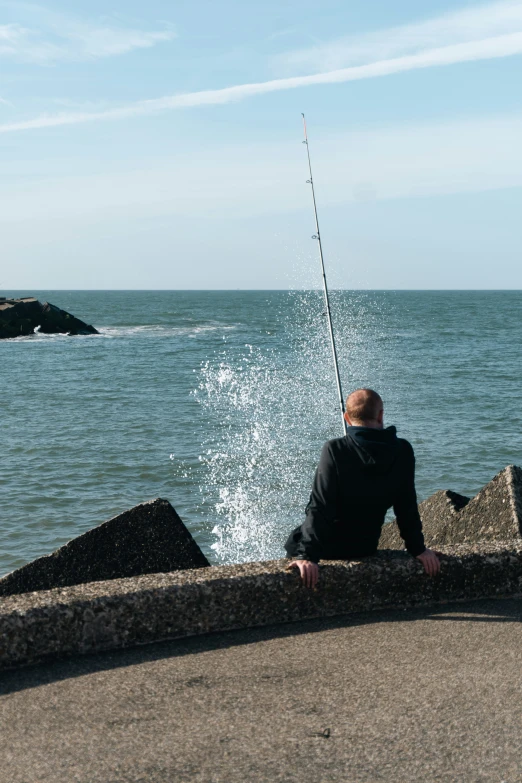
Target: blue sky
159	145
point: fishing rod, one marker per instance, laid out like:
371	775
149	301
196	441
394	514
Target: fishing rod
325	286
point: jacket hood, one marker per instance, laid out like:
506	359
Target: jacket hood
377	449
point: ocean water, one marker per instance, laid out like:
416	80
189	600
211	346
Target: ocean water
220	401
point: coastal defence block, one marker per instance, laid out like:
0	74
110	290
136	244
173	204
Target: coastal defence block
495	514
126	612
149	538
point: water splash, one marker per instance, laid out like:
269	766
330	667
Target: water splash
272	408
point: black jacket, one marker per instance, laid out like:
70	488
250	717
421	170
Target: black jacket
358	479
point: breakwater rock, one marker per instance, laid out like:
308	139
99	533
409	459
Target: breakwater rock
126	612
149	538
20	317
495	514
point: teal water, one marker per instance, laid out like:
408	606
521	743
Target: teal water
220	401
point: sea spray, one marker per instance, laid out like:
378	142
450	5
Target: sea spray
272	408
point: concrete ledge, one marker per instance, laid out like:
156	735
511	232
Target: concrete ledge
125	612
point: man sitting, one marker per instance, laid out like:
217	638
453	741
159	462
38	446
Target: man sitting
359	477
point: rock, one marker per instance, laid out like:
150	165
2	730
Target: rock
495	514
150	538
19	317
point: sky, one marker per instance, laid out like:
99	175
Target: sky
159	145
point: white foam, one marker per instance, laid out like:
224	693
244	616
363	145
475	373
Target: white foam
161	331
36	337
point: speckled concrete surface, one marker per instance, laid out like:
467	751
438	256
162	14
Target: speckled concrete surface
125	612
495	514
402	697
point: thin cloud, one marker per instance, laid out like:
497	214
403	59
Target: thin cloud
455	27
488	48
47	38
10	35
393	162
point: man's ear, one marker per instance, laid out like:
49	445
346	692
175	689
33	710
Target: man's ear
347	420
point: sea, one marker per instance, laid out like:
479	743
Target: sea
220	401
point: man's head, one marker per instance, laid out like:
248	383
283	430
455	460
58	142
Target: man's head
364	408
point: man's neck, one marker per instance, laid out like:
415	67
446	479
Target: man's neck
372	425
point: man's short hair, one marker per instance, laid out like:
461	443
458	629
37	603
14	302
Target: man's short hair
363	405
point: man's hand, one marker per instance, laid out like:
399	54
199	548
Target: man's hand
309	571
430	561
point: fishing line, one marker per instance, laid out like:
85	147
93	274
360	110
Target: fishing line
317	236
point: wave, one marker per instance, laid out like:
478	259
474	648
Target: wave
38	337
158	330
118	332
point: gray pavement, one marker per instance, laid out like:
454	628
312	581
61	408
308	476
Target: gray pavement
423	695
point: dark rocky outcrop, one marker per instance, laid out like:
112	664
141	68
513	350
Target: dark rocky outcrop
20	317
150	538
495	514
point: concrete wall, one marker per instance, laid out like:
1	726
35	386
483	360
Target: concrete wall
125	612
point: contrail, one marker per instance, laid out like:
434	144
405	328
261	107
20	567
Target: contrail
485	49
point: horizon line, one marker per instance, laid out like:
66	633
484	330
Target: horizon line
256	290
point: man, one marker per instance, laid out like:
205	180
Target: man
358	479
